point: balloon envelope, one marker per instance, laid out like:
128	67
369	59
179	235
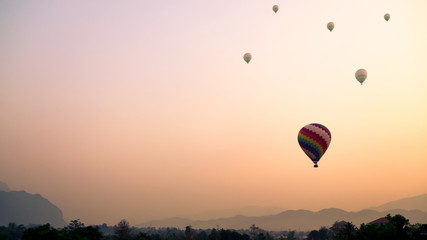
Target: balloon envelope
314	140
361	75
330	26
387	17
275	8
247	57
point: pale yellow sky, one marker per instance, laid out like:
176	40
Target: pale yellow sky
145	110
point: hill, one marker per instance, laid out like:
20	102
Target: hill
417	202
302	220
21	207
247	211
413	208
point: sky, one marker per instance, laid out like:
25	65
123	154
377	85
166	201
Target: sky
143	110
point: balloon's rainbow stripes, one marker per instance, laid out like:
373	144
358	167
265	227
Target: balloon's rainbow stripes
314	140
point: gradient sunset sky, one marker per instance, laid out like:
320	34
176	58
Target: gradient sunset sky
145	109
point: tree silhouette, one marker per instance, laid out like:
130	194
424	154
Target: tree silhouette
400	224
202	236
188	233
348	232
12	232
313	235
122	230
43	232
75	224
291	235
324	233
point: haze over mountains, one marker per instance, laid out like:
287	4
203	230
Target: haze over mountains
291	219
414	208
417	202
226	213
25	208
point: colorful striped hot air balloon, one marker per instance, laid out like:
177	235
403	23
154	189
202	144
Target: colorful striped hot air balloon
247	57
314	140
330	26
387	16
361	75
275	8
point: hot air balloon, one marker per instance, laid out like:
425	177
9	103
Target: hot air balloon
247	57
275	8
314	140
361	75
387	16
330	26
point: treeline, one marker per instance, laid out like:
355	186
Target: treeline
392	228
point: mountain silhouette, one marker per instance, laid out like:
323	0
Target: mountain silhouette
21	207
418	202
247	211
302	220
414	208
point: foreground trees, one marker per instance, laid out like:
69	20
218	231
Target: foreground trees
396	228
122	231
74	231
388	228
11	232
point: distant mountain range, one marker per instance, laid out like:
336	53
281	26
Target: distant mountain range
24	208
417	202
292	219
21	207
247	211
415	209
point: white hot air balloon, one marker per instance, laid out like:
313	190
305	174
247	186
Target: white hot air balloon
361	75
247	57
